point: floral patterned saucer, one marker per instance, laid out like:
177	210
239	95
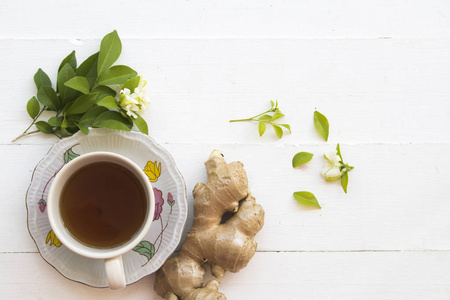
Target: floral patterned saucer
170	212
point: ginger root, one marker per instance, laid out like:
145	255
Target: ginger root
226	218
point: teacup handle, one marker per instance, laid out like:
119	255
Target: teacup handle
115	272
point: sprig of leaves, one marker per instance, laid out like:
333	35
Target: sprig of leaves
267	118
84	95
345	168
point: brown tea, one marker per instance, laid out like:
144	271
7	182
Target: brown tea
103	205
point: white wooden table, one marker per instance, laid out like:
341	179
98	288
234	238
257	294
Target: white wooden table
378	70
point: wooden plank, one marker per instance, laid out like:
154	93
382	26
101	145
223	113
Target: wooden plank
397	199
319	276
224	19
372	91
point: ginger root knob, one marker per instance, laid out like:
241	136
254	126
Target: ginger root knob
226	244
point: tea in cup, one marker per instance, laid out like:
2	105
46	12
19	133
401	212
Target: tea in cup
101	205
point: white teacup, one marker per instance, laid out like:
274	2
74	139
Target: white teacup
113	256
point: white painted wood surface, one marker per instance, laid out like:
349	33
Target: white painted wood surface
379	71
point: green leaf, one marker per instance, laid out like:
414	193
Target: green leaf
132	83
66	94
55	121
78	83
65	123
272	104
41	79
44	127
265	118
82	104
278	130
338	152
104	91
70	59
65	132
70	155
88	69
321	124
76	118
276	116
301	158
67	107
287	126
124	114
33	107
109	102
146	249
116	75
141	124
84	129
344	181
261	128
110	49
112	120
306	198
91	115
47	96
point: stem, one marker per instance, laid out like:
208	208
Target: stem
32	123
24	134
241	120
35	119
251	119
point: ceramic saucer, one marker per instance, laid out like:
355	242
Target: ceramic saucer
171	208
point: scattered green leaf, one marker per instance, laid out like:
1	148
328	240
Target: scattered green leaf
307	198
301	158
321	124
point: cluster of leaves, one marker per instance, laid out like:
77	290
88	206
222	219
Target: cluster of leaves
268	118
84	96
322	126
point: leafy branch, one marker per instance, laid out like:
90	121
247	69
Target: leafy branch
268	117
86	95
